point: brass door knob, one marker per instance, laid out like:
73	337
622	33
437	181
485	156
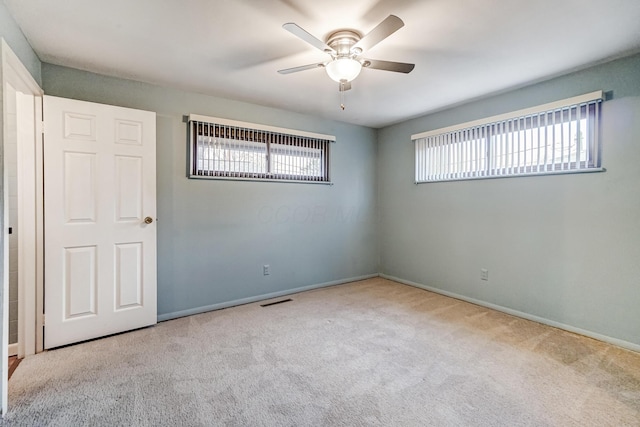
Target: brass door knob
148	220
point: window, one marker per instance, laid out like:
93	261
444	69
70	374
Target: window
560	137
227	149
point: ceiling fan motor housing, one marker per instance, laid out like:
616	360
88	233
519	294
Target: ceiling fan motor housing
342	41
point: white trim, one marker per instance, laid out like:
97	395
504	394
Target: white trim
13	349
39	218
576	100
605	338
4	301
229	122
27	247
14	73
11	60
206	308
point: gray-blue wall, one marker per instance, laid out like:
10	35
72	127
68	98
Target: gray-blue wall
562	248
214	236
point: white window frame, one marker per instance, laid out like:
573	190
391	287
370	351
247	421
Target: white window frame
231	137
554	138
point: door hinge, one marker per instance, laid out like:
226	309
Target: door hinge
42	319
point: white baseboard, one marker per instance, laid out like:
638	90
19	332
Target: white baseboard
615	341
204	309
13	349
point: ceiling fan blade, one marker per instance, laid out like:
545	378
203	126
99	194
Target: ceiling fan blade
343	87
398	67
301	68
304	35
384	29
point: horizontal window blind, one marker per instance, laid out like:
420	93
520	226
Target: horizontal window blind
235	150
554	138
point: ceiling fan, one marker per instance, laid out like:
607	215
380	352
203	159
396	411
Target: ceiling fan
345	48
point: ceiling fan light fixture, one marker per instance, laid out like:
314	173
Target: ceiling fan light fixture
343	69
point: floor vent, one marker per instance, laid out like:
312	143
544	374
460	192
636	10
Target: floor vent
275	302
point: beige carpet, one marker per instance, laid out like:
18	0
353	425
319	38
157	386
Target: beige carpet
367	353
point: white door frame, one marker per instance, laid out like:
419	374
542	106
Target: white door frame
30	332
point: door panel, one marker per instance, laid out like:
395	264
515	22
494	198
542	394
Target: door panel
79	282
129	188
129	275
100	255
79	187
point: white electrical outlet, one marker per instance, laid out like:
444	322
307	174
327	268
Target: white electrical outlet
266	269
484	274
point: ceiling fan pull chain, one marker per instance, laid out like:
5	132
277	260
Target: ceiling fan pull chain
342	95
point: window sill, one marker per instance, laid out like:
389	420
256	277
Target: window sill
559	172
282	181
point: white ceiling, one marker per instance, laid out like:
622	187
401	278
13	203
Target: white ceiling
462	49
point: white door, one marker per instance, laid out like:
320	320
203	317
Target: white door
100	229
